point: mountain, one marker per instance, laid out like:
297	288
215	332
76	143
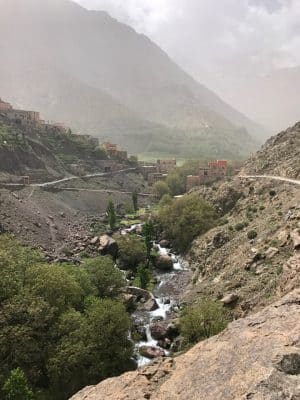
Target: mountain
96	74
273	99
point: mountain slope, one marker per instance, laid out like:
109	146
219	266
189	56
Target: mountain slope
89	70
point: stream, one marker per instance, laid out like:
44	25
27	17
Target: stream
167	292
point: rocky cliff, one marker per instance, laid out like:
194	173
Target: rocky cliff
256	358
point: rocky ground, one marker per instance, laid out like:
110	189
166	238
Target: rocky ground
265	367
251	259
58	221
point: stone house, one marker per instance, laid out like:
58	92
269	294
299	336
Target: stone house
155	177
4	107
166	166
114	151
215	170
22	117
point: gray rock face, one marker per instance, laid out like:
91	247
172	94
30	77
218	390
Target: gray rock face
256	358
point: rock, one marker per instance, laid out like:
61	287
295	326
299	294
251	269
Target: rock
295	236
220	239
151	352
164	243
271	252
164	343
129	301
229	299
108	246
164	263
150	305
283	238
159	330
62	214
222	367
94	240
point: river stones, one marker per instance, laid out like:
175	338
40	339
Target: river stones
164	263
159	330
151	352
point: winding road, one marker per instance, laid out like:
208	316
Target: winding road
271	177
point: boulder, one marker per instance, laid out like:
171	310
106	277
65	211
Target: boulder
108	246
271	252
150	305
283	238
94	240
151	352
164	243
159	330
295	236
229	299
164	263
146	300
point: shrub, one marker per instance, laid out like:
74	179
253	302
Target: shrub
160	188
132	252
16	386
185	219
239	226
252	235
203	320
272	193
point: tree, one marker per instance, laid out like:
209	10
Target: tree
203	320
160	188
107	279
148	233
111	213
143	275
135	201
185	219
132	252
16	386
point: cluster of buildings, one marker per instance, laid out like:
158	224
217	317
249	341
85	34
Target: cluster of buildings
28	118
154	172
215	170
114	151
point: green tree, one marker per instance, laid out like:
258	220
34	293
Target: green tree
148	233
97	347
132	252
111	213
16	386
160	188
203	320
185	219
135	201
143	276
107	279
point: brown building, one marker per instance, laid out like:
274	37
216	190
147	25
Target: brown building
166	166
23	117
146	170
4	107
155	177
114	151
216	170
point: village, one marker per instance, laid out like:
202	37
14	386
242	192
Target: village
116	158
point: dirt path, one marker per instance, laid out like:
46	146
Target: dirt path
271	177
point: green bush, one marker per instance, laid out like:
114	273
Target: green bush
132	252
252	235
239	226
160	189
203	320
185	219
16	386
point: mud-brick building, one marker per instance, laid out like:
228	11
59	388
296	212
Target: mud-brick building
146	170
4	107
215	170
22	117
155	177
114	151
166	166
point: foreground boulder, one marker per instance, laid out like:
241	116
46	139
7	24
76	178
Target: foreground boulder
255	358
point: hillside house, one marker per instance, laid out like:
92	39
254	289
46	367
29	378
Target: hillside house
114	151
4	107
215	170
166	166
22	117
